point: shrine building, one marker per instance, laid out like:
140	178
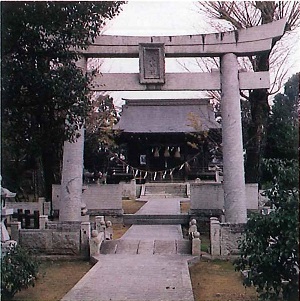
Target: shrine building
170	139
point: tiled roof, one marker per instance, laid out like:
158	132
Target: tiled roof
166	116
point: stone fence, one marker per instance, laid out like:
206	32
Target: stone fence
62	238
224	237
207	199
32	206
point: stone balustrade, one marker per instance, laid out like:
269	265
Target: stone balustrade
64	238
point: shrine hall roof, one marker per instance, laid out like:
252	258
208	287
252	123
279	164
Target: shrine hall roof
166	116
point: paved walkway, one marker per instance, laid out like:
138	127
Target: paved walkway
136	273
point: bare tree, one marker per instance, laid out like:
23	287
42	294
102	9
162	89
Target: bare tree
244	14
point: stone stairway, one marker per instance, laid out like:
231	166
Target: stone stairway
158	211
152	219
165	190
146	247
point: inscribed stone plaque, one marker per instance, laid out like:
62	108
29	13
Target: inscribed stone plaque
152	64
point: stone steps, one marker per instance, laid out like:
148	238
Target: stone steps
153	219
146	247
166	189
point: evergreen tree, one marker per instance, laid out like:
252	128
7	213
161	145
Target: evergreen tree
283	129
45	97
100	135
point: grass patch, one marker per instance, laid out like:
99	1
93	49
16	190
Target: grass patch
55	280
132	206
217	280
119	230
205	243
185	206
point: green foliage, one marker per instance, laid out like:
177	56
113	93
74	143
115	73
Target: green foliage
19	270
45	96
100	135
283	125
39	73
270	245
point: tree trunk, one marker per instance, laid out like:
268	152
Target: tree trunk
49	162
259	118
256	133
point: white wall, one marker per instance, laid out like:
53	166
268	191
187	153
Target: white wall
211	196
96	197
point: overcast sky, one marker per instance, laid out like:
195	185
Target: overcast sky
142	18
155	18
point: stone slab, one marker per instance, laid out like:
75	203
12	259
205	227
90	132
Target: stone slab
155	219
127	247
146	247
165	247
184	246
109	247
153	232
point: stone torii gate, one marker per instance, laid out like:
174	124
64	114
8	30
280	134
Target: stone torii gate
152	52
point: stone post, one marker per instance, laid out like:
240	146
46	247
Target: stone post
72	173
108	231
85	236
47	208
99	223
233	161
215	246
95	243
196	244
15	231
43	220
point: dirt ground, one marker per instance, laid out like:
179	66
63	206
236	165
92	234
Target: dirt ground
55	280
184	206
211	280
217	280
132	206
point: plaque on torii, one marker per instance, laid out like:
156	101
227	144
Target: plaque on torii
152	63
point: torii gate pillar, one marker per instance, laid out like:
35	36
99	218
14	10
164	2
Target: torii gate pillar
233	163
70	201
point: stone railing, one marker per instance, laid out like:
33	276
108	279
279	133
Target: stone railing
63	238
41	206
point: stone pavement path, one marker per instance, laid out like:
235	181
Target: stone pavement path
146	264
160	206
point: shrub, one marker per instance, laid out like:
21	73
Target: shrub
18	271
270	245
